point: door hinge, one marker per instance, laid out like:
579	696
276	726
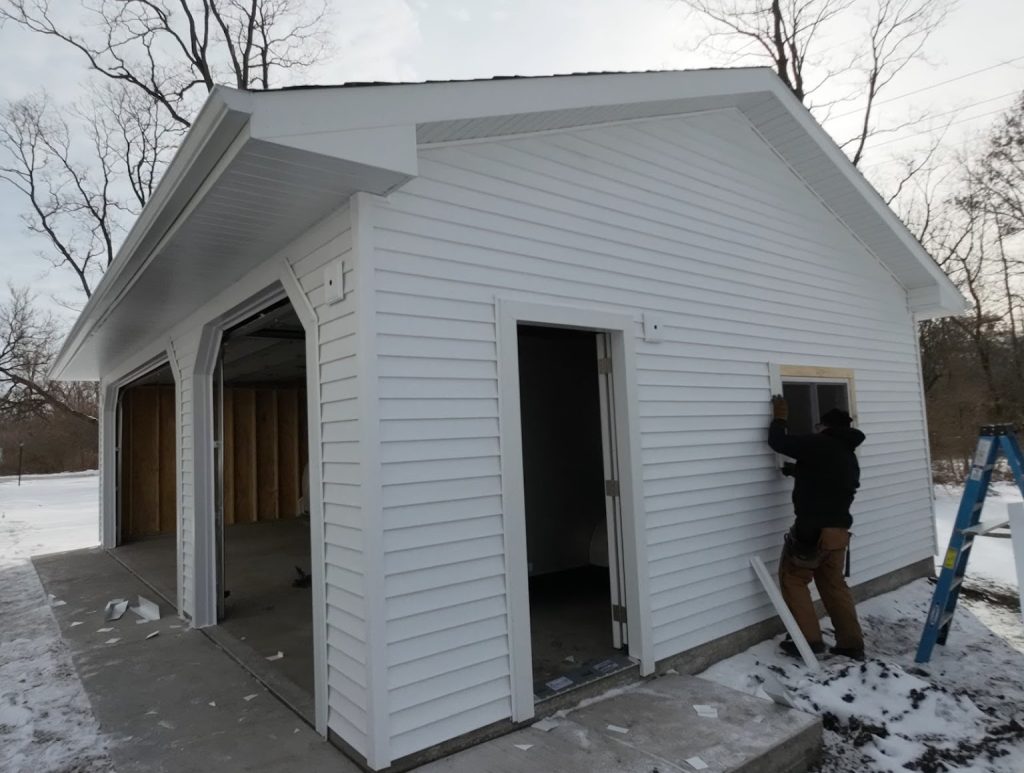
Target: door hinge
604	365
611	488
618	613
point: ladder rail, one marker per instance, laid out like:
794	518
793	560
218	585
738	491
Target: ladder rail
961	539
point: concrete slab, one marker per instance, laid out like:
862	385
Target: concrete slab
662	731
175	702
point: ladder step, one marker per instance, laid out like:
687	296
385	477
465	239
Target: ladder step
946	619
984	528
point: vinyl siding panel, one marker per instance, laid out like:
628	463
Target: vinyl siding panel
694	219
346	614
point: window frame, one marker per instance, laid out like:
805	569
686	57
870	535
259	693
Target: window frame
813	374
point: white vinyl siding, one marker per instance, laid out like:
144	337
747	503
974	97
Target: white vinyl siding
184	350
694	219
340	454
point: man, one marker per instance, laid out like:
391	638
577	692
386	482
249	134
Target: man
827	477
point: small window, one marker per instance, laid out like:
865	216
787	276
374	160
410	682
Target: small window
809	400
810	392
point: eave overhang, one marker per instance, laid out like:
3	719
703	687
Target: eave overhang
257	169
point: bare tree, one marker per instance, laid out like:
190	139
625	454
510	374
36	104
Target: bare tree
796	38
175	51
69	201
28	342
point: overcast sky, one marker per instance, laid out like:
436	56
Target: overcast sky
440	39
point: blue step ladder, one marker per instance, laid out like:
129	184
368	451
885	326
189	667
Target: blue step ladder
993	440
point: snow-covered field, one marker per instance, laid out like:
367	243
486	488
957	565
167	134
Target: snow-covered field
962	712
46	723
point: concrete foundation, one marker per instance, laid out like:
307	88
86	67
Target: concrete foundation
662	730
175	702
264	612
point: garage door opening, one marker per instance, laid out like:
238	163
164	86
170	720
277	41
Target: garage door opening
573	526
147	502
262	492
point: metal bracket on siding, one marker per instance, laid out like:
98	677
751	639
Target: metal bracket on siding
604	365
611	488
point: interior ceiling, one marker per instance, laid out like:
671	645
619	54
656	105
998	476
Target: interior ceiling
162	376
269	348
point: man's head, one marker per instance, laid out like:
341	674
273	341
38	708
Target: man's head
835	418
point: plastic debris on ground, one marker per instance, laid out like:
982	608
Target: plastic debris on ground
618	729
148	610
152	635
703	710
545	725
278	656
115	609
696	763
524	746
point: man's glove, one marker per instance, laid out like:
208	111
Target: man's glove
780	410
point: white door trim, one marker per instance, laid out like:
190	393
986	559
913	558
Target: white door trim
204	608
620	328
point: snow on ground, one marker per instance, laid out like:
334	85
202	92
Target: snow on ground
963	711
46	722
991	557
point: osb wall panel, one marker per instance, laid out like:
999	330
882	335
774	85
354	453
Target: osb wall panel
148	502
265	450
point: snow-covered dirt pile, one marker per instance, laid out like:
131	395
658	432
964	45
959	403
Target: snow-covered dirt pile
963	711
46	722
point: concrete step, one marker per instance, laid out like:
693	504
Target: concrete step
663	731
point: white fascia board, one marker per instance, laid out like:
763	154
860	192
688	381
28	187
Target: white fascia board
219	122
367	107
836	155
386	147
937	300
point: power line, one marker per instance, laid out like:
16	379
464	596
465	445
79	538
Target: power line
954	123
937	85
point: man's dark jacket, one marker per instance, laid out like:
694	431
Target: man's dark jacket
827	475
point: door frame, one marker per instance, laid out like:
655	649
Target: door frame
285	286
110	451
620	328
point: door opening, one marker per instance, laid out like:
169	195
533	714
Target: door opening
261	492
573	513
146	480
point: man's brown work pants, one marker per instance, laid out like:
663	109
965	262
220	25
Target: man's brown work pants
827	573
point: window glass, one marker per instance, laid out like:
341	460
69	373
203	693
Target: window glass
808	401
801	407
832	396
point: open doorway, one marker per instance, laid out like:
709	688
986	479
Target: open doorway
573	522
262	492
146	474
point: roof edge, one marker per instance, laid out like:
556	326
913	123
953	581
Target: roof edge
224	114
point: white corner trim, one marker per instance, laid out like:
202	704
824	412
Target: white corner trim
378	753
179	499
311	324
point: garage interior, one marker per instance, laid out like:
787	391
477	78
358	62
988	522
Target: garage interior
566	522
263	492
261	488
147	505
